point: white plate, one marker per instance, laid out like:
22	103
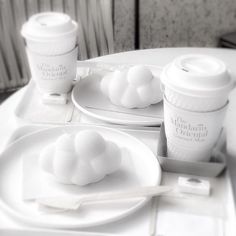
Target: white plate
31	109
88	98
139	168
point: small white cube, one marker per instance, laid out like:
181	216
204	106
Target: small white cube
54	98
194	185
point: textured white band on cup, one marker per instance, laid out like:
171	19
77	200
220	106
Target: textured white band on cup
192	134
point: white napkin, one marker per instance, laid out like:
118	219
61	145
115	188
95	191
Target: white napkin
182	224
32	109
36	183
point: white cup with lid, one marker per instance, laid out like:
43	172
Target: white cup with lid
50	33
196	90
51	39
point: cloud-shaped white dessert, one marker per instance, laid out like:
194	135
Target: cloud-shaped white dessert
80	159
133	88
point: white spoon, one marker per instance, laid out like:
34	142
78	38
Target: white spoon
73	203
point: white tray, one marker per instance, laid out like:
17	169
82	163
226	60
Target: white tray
173	211
30	109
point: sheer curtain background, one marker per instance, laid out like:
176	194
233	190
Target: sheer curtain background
108	26
95	33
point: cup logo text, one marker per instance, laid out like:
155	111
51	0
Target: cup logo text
49	71
190	132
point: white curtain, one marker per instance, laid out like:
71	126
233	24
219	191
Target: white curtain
95	34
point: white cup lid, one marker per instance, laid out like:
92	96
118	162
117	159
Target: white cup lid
197	75
48	26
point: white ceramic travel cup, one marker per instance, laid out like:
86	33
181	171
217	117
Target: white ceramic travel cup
51	49
196	89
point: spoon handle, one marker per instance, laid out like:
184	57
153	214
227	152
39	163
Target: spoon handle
73	203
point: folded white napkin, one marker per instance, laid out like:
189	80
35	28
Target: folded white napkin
32	109
183	224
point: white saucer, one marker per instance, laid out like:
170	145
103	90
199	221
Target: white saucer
139	168
88	98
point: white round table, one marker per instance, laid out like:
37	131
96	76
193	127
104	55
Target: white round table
159	57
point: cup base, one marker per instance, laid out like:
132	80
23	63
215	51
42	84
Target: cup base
185	154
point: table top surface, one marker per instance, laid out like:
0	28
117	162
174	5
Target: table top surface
158	57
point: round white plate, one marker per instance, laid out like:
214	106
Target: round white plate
139	168
88	98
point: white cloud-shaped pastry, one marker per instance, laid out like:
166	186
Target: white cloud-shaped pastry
80	159
133	88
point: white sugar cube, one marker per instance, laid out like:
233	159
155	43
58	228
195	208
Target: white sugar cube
54	98
194	185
